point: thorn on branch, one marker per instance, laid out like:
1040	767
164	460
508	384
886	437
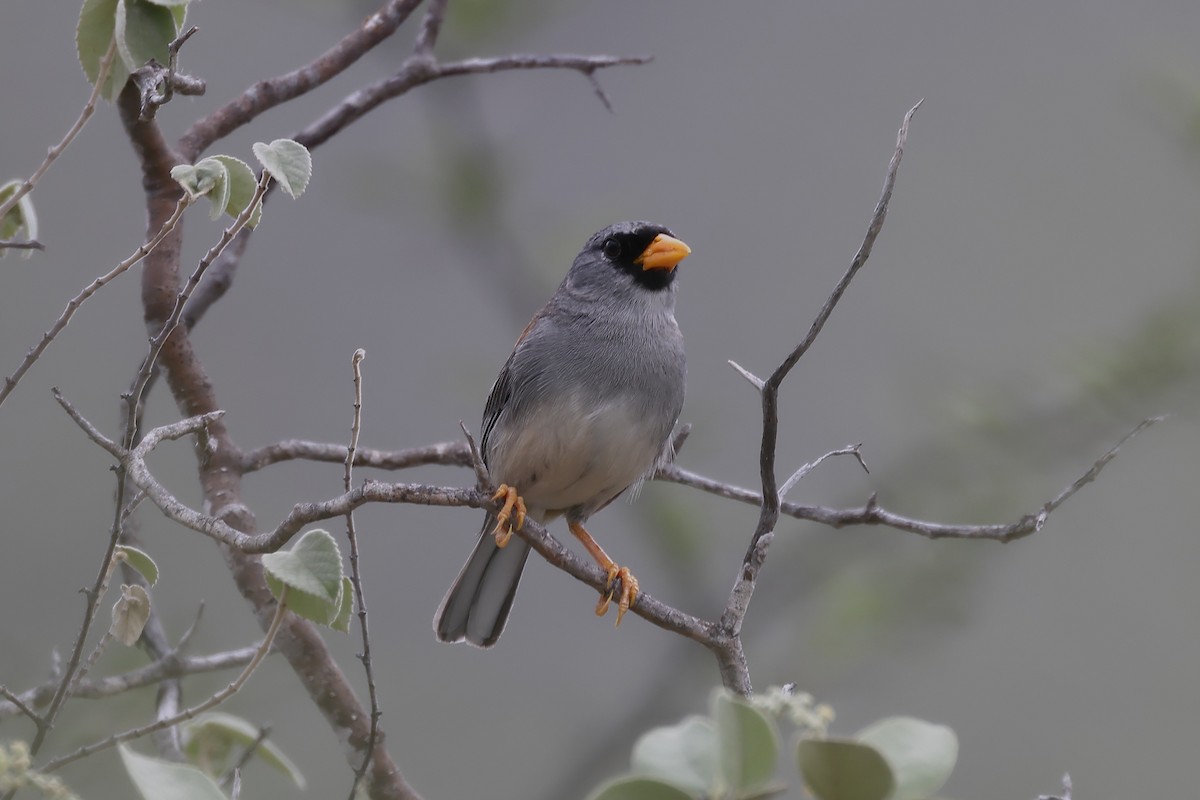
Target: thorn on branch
754	380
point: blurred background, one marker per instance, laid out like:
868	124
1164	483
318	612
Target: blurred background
1034	294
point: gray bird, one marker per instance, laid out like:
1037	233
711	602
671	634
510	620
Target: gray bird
582	410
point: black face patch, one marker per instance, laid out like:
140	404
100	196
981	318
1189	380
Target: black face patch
619	245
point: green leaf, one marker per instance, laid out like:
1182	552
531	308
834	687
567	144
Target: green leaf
635	788
140	561
836	769
210	740
242	185
166	780
143	31
684	755
21	220
342	621
921	754
179	14
129	614
94	33
312	571
288	162
748	746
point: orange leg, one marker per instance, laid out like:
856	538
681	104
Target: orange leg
511	516
629	584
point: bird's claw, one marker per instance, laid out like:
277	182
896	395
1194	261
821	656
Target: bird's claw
629	592
511	516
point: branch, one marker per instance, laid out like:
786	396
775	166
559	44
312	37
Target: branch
64	319
54	152
732	662
266	94
356	580
14	244
418	71
260	653
871	513
170	666
453	454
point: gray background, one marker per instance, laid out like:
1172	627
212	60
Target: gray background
1033	295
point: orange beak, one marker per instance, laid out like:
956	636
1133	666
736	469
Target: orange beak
663	253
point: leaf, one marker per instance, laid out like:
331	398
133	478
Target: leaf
129	614
684	755
342	621
166	780
242	185
202	178
94	33
140	561
288	162
748	746
21	220
312	570
209	740
921	754
836	769
636	788
143	31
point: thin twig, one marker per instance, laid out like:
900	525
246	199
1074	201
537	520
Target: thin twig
431	26
732	662
356	579
166	668
54	152
216	699
263	732
144	250
482	478
850	450
451	454
14	244
20	705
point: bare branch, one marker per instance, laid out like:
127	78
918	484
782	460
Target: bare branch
452	454
54	152
871	513
145	249
260	653
266	94
248	753
19	704
418	71
754	380
12	244
850	450
171	666
360	597
431	26
482	478
732	672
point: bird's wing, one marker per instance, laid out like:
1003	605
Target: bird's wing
502	388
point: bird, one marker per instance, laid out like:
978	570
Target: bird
582	410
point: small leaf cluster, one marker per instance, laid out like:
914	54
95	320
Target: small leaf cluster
230	184
732	754
142	29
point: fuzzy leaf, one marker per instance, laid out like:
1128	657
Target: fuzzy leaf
140	561
837	769
636	788
166	780
312	571
684	755
747	743
921	754
288	162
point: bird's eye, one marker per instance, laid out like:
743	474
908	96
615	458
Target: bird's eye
612	249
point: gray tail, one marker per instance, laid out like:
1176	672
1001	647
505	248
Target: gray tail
477	605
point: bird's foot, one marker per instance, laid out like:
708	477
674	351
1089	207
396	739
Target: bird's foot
511	516
629	592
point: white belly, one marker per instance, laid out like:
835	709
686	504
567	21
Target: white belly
564	457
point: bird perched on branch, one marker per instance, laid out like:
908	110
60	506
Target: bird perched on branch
582	410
